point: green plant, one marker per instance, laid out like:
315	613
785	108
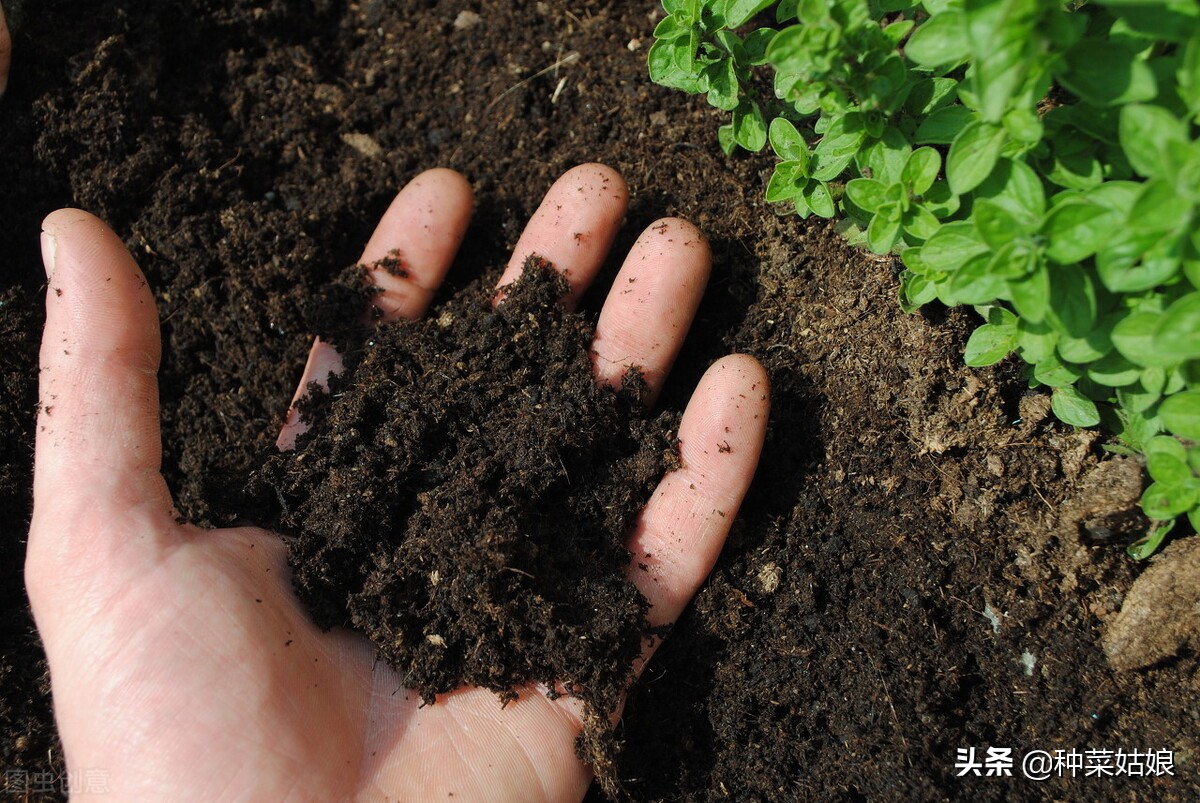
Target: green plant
1035	159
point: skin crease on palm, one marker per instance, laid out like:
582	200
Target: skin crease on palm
181	663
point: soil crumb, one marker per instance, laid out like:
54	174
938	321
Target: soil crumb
464	495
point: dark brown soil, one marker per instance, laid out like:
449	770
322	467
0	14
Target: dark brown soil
926	561
464	497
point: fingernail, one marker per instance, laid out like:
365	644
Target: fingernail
49	248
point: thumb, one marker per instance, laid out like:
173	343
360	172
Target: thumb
99	448
5	51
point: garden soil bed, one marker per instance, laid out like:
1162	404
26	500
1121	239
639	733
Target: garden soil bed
926	561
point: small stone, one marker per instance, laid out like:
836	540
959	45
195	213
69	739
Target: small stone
658	118
466	20
435	640
634	45
769	577
364	144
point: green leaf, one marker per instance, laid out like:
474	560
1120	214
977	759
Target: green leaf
975	282
723	85
1073	304
1167	461
663	61
1178	332
1181	414
749	128
1057	374
1104	72
866	193
940	42
915	291
1036	341
1072	407
883	231
1014	186
1077	229
1031	295
838	147
943	125
1113	371
816	194
787	142
1147	546
921	170
1133	337
989	344
1089	348
725	139
929	95
1134	260
920	223
952	246
995	225
1000	34
973	155
756	45
782	185
884	158
1163	502
1145	132
739	12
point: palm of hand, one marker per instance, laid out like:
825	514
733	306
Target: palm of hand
181	662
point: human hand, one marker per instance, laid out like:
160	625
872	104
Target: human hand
181	662
5	51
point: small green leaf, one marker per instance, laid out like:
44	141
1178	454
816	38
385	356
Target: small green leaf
995	225
1015	186
1104	72
723	85
915	291
725	139
921	170
866	193
739	12
816	193
749	128
1147	546
1134	260
939	42
920	223
883	231
1001	37
782	186
1057	374
787	142
990	344
1031	295
1113	371
1163	502
973	155
1145	132
951	247
1167	461
1077	229
1073	304
1133	337
1178	333
942	126
1036	341
1181	414
975	282
756	45
1072	407
838	146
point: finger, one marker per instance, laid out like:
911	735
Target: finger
416	240
423	228
323	362
683	527
5	52
574	227
651	305
98	441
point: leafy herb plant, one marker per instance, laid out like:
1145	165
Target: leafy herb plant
1035	159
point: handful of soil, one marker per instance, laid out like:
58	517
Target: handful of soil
465	493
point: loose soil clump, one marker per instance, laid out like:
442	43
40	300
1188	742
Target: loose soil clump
464	494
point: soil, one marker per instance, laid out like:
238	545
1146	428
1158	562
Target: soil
464	495
926	562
